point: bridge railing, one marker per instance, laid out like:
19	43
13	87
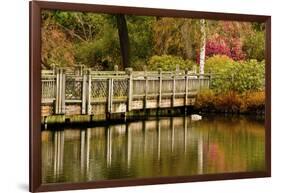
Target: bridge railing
86	89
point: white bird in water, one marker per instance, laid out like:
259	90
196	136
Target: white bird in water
196	117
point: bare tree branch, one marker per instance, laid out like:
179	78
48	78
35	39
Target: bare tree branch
72	33
82	25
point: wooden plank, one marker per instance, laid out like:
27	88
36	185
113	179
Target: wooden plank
73	101
48	101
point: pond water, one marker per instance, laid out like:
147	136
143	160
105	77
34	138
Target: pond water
171	146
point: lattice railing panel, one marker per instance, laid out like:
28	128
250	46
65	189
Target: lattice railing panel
99	89
120	88
73	88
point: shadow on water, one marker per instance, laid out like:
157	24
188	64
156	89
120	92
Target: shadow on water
83	125
119	118
130	119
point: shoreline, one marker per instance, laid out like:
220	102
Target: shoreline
58	122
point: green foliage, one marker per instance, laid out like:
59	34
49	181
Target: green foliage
236	76
176	36
92	39
168	62
257	26
103	53
81	26
140	36
254	46
218	64
248	76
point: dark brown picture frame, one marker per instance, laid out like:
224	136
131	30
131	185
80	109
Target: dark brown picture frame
35	7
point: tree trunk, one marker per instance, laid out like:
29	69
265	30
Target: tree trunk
124	39
203	45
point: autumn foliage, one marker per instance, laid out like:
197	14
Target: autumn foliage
231	102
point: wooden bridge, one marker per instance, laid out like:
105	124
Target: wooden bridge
103	93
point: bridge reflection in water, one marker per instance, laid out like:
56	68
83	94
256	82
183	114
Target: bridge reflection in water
163	147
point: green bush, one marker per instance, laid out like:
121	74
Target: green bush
169	62
218	64
254	46
236	76
248	76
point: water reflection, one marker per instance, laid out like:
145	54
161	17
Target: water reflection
162	147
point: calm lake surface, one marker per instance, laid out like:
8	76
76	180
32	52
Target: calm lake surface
172	146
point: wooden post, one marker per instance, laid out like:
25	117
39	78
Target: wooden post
57	92
116	69
160	87
199	77
174	89
108	98
110	93
208	81
186	87
89	107
84	93
146	90
63	94
130	88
